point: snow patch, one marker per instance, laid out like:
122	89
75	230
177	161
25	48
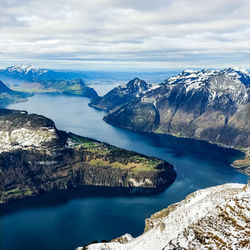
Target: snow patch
24	138
176	225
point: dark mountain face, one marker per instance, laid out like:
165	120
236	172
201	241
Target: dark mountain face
211	105
4	88
121	95
35	157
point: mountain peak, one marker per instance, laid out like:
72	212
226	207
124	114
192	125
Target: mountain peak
138	85
237	69
24	68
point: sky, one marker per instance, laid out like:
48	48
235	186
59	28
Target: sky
125	34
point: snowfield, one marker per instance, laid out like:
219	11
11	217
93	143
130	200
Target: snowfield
213	218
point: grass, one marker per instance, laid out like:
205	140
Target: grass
33	90
106	155
13	191
144	166
18	191
68	86
83	142
99	162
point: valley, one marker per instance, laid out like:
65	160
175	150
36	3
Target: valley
124	125
210	105
197	164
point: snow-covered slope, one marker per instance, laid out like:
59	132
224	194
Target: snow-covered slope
232	81
213	218
25	72
26	68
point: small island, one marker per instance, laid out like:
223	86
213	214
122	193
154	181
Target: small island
36	157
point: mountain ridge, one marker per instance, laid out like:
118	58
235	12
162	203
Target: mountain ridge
211	218
210	105
33	73
31	79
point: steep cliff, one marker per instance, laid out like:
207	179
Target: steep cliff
213	218
35	157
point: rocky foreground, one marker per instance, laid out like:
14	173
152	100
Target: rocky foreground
213	218
35	157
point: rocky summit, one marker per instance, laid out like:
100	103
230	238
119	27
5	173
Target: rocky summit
121	95
212	218
36	157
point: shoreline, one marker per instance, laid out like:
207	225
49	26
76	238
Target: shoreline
236	164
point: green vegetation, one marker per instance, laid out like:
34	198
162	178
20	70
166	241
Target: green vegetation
102	154
13	191
143	166
241	163
99	162
82	142
18	192
37	90
68	87
7	98
158	131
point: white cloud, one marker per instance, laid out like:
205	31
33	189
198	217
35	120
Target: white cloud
180	33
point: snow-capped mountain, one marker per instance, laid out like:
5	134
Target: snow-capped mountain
213	218
35	79
234	82
121	95
212	105
31	73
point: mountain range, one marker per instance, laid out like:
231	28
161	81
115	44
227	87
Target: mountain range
31	73
211	105
31	79
8	96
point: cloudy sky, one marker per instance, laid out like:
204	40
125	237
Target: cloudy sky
125	34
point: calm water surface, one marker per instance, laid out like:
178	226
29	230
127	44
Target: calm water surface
66	220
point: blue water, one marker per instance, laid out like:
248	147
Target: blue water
65	220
